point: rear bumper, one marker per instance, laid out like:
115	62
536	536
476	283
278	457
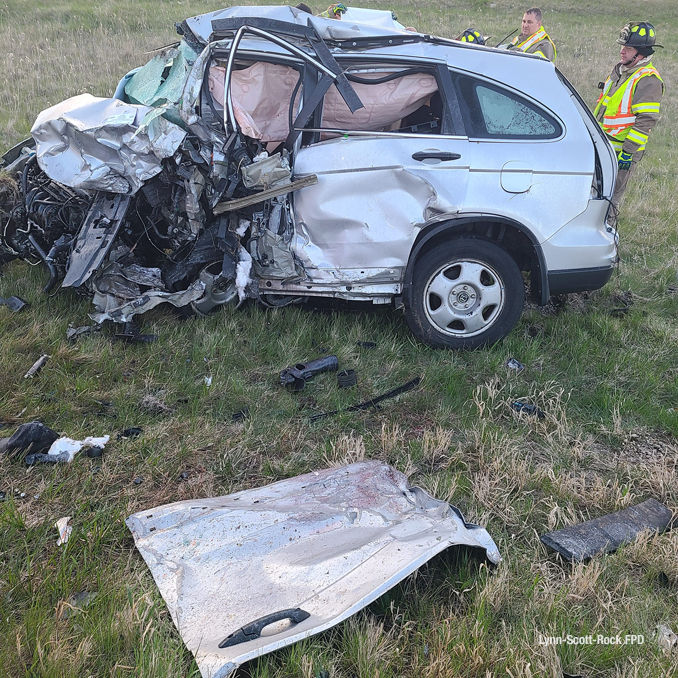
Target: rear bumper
578	279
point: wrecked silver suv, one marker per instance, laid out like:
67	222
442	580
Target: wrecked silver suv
275	155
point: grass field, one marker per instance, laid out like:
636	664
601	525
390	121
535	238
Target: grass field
609	386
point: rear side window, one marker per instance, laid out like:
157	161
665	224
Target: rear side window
494	112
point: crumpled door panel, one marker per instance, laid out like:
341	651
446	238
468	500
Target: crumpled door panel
316	548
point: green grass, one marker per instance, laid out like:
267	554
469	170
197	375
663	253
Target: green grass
609	387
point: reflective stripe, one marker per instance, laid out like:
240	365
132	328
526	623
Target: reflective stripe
646	107
540	35
637	136
619	114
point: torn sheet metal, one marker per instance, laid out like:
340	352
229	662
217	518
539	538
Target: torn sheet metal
103	144
327	544
109	308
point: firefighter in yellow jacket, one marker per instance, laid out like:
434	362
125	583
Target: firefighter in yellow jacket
533	38
628	108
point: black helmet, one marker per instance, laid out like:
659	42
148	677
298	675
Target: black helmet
640	35
472	35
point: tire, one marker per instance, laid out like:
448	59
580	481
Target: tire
466	293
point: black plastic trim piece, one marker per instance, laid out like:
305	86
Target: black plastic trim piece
579	279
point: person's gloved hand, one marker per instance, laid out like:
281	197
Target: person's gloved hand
624	161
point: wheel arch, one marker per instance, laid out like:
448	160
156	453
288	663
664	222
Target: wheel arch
511	235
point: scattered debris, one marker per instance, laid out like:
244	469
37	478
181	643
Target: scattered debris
347	378
64	449
2	495
131	333
138	481
528	408
75	604
31	437
366	344
366	405
14	304
131	432
607	533
513	364
37	366
619	312
666	639
297	376
74	333
95	452
183	475
64	530
241	415
208	381
206	560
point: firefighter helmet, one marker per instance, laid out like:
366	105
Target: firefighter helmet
640	35
472	35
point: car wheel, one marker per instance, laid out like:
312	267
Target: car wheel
466	293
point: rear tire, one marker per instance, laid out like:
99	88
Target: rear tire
466	293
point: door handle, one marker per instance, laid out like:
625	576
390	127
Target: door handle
253	630
435	155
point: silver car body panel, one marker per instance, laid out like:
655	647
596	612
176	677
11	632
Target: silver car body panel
329	542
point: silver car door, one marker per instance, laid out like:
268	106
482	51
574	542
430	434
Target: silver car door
377	189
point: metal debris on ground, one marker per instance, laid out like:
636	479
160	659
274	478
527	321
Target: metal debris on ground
13	303
64	530
607	533
374	402
296	376
36	367
33	437
308	551
514	364
528	408
75	333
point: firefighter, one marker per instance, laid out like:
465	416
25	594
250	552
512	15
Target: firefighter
628	107
533	38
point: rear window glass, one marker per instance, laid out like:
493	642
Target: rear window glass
491	111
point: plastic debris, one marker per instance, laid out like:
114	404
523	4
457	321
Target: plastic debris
528	408
607	533
29	438
138	481
208	381
347	378
95	452
183	475
514	364
366	344
131	432
14	304
374	402
37	366
295	377
131	333
64	530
